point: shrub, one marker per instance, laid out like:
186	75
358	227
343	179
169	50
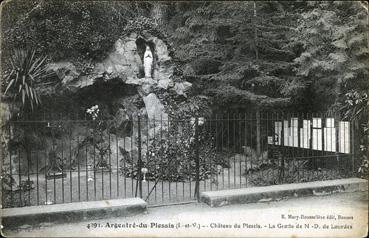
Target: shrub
26	72
206	66
174	158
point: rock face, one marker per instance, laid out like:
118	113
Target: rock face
182	87
125	64
154	108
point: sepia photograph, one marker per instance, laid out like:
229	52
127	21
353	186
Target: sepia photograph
184	118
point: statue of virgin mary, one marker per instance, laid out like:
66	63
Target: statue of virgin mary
148	59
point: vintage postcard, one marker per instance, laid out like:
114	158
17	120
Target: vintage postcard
184	118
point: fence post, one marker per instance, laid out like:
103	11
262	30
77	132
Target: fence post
197	160
139	161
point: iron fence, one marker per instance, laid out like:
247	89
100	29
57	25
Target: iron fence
49	159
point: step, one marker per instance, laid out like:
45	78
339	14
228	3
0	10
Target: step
278	192
71	212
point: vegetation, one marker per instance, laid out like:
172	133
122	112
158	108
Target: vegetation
26	71
295	54
292	56
172	156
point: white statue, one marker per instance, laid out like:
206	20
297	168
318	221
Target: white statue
148	59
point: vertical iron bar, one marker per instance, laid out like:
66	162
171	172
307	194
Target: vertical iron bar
282	154
131	145
170	172
117	151
323	152
240	146
244	151
229	146
260	146
124	165
70	165
102	175
146	158
234	150
20	179
197	187
216	148
86	163
154	142
312	153
28	178
79	175
62	156
203	162
46	170
54	151
183	182
257	115
37	183
94	158
251	114
139	157
161	164
353	149
222	147
210	134
10	164
109	168
290	153
176	159
337	147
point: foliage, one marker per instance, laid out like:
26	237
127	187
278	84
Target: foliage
173	157
205	66
267	176
355	109
97	137
356	105
26	72
306	51
363	170
14	194
335	51
295	172
73	30
140	24
231	44
231	95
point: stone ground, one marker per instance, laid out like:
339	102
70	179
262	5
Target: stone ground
196	219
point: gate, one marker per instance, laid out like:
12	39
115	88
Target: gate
59	159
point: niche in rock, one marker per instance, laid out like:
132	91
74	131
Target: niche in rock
141	48
105	92
117	102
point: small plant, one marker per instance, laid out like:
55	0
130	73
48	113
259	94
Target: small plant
356	104
26	72
15	194
355	108
97	137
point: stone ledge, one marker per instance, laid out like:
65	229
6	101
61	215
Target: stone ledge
278	192
71	212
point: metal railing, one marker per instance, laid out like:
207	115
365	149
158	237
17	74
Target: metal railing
53	160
